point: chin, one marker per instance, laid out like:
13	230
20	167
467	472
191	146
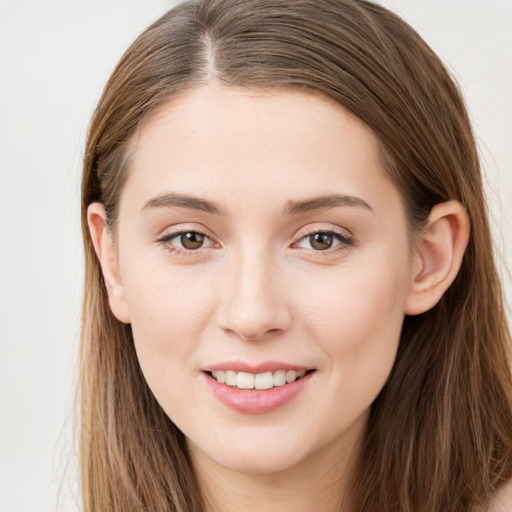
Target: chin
246	454
259	463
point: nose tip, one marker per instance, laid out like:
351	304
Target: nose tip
254	332
254	321
254	306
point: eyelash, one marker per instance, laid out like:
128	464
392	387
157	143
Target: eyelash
166	239
344	242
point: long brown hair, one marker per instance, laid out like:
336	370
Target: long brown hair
440	433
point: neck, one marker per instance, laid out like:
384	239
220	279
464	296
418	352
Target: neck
316	483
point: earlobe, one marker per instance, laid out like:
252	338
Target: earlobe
438	254
105	251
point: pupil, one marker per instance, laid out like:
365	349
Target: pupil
321	241
192	240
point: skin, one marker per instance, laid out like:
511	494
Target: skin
258	289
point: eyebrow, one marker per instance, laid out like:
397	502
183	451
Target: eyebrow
324	203
169	199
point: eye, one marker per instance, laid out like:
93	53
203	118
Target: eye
323	240
186	241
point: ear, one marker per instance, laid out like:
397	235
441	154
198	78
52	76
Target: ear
104	247
438	254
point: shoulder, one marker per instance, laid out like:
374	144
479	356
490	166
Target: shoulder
502	502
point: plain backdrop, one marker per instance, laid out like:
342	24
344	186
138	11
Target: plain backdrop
55	57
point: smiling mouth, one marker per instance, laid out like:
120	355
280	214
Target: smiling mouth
259	381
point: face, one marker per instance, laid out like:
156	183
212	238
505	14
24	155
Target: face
259	241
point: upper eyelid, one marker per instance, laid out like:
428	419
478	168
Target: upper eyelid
343	233
172	231
343	239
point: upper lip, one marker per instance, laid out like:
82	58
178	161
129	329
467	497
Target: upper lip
264	366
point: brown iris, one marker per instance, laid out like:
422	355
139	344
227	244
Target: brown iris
321	241
192	240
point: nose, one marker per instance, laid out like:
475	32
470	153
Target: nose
255	302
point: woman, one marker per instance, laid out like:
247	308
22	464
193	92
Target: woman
291	300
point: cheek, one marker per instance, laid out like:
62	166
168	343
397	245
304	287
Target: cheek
357	318
169	313
169	309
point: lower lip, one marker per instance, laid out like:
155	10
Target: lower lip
255	401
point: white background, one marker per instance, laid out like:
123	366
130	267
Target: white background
55	57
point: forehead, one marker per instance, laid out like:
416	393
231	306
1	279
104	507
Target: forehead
224	114
219	138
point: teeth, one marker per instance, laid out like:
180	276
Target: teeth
280	378
291	376
264	380
267	380
244	380
231	378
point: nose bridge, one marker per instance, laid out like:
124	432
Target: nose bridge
254	305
